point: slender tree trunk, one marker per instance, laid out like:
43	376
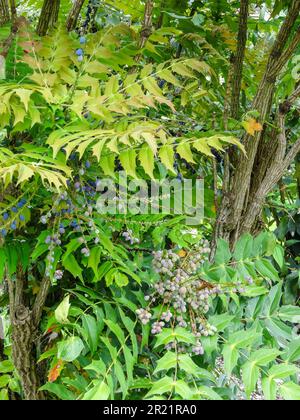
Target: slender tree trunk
25	322
23	337
74	14
239	59
298	174
1	340
147	23
4	12
13	10
48	17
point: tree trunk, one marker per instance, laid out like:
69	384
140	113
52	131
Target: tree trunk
48	17
25	322
238	59
147	23
254	175
13	10
74	14
23	337
4	12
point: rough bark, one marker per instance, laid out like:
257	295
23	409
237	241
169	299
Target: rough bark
4	12
147	23
298	174
146	29
13	10
74	14
1	340
240	208
25	326
239	59
48	17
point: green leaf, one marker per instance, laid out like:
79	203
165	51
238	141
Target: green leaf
69	349
94	260
182	389
168	76
282	371
99	392
250	374
223	254
166	384
168	361
182	70
278	255
263	357
107	164
166	154
90	327
184	151
70	264
208	393
4	395
128	161
179	334
221	322
290	391
272	302
186	363
121	279
243	339
4	380
289	313
292	353
24	95
118	370
62	311
269	387
147	160
97	366
266	269
116	329
59	390
243	247
231	356
6	366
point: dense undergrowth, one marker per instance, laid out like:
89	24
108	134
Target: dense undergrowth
143	304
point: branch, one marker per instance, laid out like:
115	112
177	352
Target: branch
7	43
48	16
40	300
291	155
147	24
239	59
11	295
285	107
4	12
286	55
285	31
74	14
1	340
13	10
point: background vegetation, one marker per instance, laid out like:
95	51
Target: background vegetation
145	306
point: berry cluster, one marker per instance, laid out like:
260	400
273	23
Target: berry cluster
129	237
13	217
181	298
80	51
